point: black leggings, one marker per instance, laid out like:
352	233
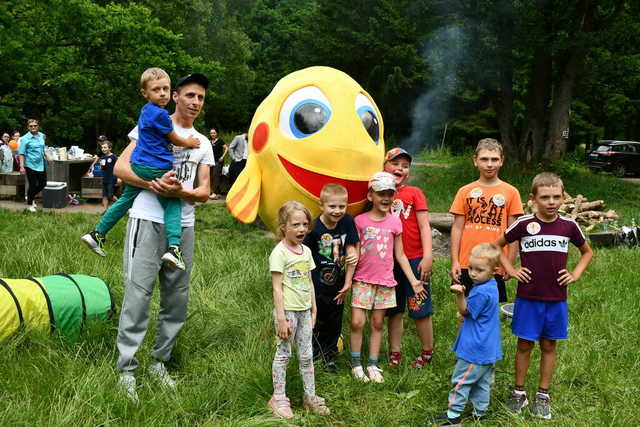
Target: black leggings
37	182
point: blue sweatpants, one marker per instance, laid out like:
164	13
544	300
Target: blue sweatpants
471	382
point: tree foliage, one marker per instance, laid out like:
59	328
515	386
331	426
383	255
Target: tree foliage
525	72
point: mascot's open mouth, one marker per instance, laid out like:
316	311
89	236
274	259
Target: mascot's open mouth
313	182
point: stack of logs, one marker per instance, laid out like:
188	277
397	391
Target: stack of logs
586	213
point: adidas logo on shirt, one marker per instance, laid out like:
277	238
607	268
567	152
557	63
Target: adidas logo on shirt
544	243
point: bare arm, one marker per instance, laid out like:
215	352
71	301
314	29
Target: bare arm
284	330
567	277
461	301
425	238
352	260
122	169
225	149
456	235
401	258
189	141
513	247
523	274
21	159
314	308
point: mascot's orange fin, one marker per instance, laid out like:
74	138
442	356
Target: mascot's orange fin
243	199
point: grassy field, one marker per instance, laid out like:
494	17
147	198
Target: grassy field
223	357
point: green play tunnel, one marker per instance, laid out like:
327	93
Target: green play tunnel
60	302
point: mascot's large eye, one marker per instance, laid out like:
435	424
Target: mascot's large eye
304	112
368	116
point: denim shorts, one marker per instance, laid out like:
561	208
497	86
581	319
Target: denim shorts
533	320
418	308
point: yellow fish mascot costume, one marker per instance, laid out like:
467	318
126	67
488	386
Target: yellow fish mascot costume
317	126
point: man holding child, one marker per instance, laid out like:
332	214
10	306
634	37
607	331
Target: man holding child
146	238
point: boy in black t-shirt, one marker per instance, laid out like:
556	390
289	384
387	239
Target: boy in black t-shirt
107	161
332	242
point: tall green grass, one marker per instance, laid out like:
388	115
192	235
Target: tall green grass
222	360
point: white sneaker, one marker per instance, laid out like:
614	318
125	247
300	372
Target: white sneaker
359	374
159	372
127	383
375	374
32	208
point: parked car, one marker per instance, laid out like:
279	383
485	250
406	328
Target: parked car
619	157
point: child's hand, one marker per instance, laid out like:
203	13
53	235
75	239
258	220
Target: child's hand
284	330
566	277
456	273
342	293
351	259
523	274
459	319
424	268
457	289
418	289
314	315
193	142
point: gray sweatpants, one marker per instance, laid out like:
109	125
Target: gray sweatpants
145	243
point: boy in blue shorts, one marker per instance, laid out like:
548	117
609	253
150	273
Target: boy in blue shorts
541	312
151	159
478	344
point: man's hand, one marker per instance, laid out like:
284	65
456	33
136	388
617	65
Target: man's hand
167	186
342	293
284	330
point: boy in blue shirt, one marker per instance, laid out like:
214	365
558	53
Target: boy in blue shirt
478	344
151	159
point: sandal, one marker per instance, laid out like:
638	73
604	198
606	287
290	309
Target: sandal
280	407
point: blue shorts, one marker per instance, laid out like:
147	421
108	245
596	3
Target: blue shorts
418	308
108	189
533	320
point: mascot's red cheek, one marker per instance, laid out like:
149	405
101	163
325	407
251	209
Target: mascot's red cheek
260	137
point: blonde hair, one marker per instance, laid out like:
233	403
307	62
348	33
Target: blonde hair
489	144
29	121
487	251
332	189
285	212
546	179
153	73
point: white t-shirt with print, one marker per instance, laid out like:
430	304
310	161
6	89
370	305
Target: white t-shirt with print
185	163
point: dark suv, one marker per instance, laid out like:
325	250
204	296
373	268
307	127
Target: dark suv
619	157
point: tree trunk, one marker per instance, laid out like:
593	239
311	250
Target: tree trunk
503	103
538	93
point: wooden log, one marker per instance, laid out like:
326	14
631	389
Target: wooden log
441	221
596	205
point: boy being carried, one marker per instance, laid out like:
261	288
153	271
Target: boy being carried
151	159
332	242
541	312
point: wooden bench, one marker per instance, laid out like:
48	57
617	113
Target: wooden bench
91	187
12	184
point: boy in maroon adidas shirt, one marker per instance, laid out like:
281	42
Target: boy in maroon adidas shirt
541	312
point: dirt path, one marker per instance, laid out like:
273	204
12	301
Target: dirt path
634	180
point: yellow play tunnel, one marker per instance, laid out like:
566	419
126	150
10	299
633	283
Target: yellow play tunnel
23	302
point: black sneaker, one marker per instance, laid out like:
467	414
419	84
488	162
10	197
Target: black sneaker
444	420
173	258
95	242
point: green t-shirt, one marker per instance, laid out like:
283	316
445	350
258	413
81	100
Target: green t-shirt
296	280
